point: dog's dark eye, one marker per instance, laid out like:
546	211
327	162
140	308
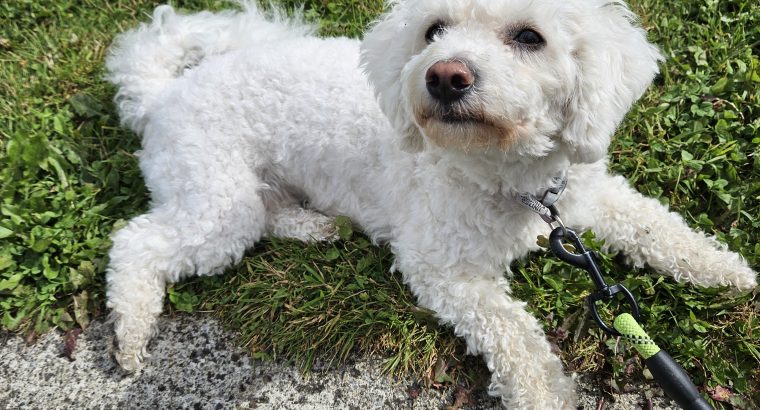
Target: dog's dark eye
436	30
529	37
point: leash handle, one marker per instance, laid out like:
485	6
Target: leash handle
668	373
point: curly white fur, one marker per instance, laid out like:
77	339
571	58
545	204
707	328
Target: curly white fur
243	118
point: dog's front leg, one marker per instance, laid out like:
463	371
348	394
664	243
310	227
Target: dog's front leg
525	373
647	233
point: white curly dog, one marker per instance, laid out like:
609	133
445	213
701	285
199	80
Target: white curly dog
245	118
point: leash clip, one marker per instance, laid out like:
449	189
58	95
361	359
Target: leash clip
586	260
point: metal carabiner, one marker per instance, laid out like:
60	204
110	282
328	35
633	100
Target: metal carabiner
586	260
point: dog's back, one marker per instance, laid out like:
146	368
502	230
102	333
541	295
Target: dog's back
143	60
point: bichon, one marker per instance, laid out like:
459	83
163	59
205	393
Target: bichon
423	134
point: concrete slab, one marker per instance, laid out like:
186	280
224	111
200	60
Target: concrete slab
196	365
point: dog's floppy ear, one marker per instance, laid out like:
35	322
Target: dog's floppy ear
615	64
385	50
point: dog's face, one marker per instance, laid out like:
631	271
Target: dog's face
525	77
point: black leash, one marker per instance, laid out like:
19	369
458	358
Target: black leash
666	371
587	260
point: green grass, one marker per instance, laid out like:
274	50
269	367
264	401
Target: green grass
69	176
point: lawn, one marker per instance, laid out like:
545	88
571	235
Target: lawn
69	177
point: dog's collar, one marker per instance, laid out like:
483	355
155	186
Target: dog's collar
544	207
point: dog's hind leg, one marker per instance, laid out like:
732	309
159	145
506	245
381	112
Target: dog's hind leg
201	232
647	233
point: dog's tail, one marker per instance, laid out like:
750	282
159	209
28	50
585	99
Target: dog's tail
143	60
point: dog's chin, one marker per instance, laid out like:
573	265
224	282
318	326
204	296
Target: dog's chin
467	132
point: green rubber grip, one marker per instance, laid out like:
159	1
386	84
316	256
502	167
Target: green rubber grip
635	335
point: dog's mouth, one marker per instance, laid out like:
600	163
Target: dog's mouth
457	118
465	129
453	116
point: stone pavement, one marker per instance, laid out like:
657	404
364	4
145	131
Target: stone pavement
195	365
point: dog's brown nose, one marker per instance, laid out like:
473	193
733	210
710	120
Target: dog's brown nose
448	81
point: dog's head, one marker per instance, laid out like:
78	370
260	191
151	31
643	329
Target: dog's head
526	77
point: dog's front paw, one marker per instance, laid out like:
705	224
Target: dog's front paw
566	396
558	394
130	361
711	267
733	271
129	353
744	279
131	336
